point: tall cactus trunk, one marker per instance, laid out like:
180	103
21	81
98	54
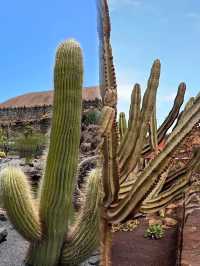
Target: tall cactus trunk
44	253
47	226
58	183
106	242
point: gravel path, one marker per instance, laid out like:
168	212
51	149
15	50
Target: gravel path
13	250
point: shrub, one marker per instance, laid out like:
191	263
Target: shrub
155	231
91	117
30	145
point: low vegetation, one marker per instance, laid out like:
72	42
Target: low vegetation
155	231
91	117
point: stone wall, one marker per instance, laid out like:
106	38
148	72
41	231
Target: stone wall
13	115
39	117
10	115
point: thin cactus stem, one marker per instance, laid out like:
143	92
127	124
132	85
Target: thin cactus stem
122	124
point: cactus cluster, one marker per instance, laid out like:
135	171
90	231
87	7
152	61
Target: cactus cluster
45	222
128	185
137	174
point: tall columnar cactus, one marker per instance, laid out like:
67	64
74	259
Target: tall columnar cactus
45	221
128	187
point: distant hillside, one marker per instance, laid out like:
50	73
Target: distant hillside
46	98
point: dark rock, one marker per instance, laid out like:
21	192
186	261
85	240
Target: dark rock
3	234
94	260
3	217
85	147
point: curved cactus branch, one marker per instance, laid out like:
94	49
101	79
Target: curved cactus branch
20	204
172	116
166	197
129	140
84	236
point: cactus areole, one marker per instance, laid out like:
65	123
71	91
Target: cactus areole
46	224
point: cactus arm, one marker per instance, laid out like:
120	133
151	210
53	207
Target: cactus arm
108	86
153	132
84	236
146	179
189	119
160	200
110	167
129	140
188	105
19	203
107	71
127	165
122	124
173	176
157	188
106	120
109	135
166	197
173	114
156	200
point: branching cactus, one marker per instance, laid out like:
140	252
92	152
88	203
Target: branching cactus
45	222
137	174
128	187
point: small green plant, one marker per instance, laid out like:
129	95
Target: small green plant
91	117
154	231
3	140
29	145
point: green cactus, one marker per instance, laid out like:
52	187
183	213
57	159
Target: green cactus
140	188
45	221
122	124
157	136
137	174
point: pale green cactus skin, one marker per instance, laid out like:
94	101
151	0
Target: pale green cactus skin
45	221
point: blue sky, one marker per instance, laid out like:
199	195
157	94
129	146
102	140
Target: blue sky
143	30
30	33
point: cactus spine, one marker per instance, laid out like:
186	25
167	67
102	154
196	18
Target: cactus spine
47	227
